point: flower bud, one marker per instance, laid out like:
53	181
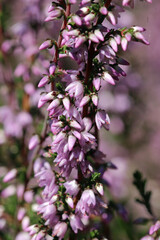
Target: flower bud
46	44
69	201
10	175
103	10
33	142
99	188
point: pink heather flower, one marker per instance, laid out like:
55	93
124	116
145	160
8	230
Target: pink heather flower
66	103
75	222
10	175
59	230
108	78
55	103
52	68
99	35
85	10
117	38
138	29
72	187
102	119
89	17
46	44
22	235
33	142
51	8
77	20
43	81
40	235
71	142
112	18
56	13
84	101
80	40
113	44
69	201
128	36
154	228
8	191
20	191
139	36
95	100
24	119
103	10
48	212
28	196
93	38
29	89
87	202
21	213
25	222
75	89
124	43
97	83
32	229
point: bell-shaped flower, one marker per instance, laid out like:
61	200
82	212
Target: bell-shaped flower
72	187
59	230
87	202
75	222
102	119
75	89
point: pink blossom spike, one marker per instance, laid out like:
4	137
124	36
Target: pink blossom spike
71	142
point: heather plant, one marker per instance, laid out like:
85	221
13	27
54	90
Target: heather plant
61	190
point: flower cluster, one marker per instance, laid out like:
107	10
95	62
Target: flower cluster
74	115
70	170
